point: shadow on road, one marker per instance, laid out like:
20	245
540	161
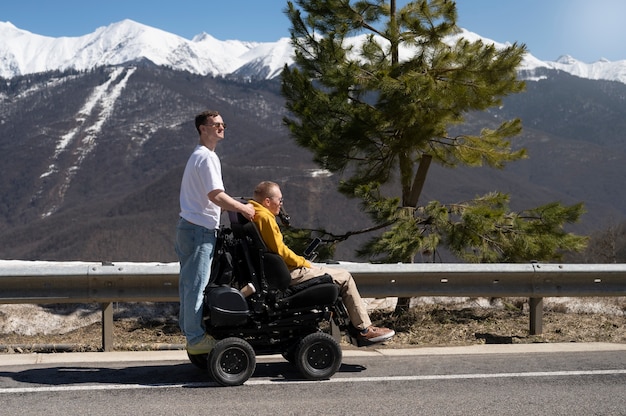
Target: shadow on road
185	373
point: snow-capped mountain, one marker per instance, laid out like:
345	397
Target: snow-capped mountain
599	70
23	52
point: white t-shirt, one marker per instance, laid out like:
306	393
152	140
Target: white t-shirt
203	174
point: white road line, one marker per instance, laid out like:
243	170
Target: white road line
45	389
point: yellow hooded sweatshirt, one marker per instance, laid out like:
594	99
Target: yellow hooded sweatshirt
270	232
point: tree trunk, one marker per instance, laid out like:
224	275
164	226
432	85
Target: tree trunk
418	183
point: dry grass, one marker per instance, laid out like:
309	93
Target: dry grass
435	323
448	326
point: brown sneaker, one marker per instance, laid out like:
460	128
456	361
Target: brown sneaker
375	334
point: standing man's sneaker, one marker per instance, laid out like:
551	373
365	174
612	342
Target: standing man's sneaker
204	346
374	334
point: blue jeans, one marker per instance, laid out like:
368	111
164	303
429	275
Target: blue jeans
194	246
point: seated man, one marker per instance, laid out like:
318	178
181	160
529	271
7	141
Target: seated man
267	201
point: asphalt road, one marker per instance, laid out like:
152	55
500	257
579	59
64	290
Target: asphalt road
554	379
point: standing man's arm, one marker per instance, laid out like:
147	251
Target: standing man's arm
226	202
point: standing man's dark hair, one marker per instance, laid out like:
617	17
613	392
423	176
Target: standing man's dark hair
202	118
202	198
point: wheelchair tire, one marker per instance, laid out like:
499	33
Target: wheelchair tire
318	356
199	360
231	362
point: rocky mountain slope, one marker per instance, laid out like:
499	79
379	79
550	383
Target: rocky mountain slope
91	160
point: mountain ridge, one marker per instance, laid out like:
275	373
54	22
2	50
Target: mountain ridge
127	41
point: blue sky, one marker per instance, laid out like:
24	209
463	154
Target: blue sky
587	30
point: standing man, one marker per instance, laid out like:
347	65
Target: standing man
202	197
267	202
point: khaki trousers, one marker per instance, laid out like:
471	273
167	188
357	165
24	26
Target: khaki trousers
347	290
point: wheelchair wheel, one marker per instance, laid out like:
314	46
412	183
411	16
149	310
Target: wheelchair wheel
231	362
318	356
199	360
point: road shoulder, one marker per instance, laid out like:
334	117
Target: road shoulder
181	355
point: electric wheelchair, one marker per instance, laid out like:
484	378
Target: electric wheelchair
276	319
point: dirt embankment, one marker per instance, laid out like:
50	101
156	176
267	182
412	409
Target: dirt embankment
430	322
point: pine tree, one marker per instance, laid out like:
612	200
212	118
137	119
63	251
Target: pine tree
374	92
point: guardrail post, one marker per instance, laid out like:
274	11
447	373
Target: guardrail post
107	326
536	315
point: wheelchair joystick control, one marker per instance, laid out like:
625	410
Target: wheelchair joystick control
285	219
248	290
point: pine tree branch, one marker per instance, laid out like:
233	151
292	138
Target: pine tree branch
343	237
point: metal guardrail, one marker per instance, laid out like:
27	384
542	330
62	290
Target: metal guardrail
533	280
40	282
